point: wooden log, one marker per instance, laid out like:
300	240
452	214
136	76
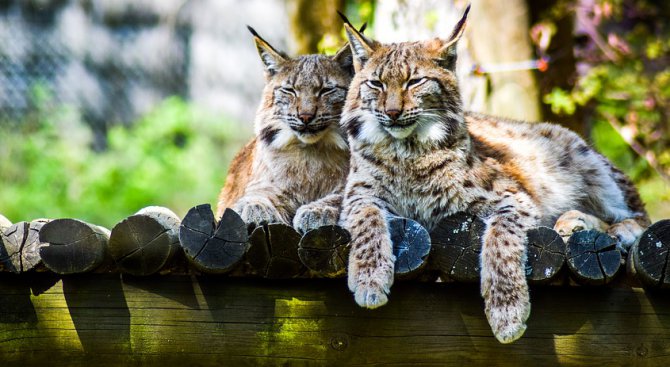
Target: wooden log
273	252
650	256
457	243
4	223
546	255
593	258
211	247
411	246
145	242
21	243
325	251
73	246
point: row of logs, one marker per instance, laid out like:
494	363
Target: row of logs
155	240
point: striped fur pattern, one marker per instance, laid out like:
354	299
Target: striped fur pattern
298	160
417	154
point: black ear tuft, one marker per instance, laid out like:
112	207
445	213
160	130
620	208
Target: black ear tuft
271	58
448	55
344	17
253	31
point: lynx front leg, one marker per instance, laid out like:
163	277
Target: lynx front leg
503	279
323	212
371	258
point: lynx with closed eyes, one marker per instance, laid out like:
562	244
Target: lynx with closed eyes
294	169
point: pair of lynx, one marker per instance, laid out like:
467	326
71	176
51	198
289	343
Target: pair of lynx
411	150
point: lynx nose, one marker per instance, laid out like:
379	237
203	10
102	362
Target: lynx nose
393	114
306	117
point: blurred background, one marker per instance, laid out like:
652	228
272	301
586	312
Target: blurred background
107	106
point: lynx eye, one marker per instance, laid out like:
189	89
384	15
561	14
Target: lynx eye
376	84
415	82
326	91
288	90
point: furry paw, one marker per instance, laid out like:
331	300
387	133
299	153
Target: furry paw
310	217
256	213
507	308
626	233
371	285
574	221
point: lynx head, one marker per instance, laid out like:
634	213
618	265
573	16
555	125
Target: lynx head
404	91
303	96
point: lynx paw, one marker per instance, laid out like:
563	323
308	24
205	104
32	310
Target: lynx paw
626	233
574	221
309	217
507	308
256	213
371	285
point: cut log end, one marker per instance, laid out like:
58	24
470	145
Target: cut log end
145	243
651	256
546	255
593	258
457	244
411	246
325	251
73	246
273	252
213	248
21	246
4	223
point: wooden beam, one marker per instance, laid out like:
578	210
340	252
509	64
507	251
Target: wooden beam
110	320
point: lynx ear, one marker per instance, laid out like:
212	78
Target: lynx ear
447	51
272	59
344	57
361	47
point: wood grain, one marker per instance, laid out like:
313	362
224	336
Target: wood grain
593	258
21	246
144	243
73	246
325	251
211	320
651	255
212	247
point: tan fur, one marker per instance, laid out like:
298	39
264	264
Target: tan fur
239	175
416	154
293	170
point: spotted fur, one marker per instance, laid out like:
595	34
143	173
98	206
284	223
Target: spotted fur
417	154
293	170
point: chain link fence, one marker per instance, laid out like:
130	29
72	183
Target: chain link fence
110	61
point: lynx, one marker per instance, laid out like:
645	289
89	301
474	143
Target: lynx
416	153
293	170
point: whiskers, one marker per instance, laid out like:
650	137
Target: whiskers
319	124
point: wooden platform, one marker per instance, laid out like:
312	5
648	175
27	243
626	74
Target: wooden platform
104	320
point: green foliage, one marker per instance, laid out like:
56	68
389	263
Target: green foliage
175	156
624	83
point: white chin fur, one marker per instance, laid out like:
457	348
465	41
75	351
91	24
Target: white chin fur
310	138
328	137
401	133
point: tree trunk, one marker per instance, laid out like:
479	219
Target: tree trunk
499	34
310	21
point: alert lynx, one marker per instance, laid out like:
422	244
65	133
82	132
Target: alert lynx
417	154
294	169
